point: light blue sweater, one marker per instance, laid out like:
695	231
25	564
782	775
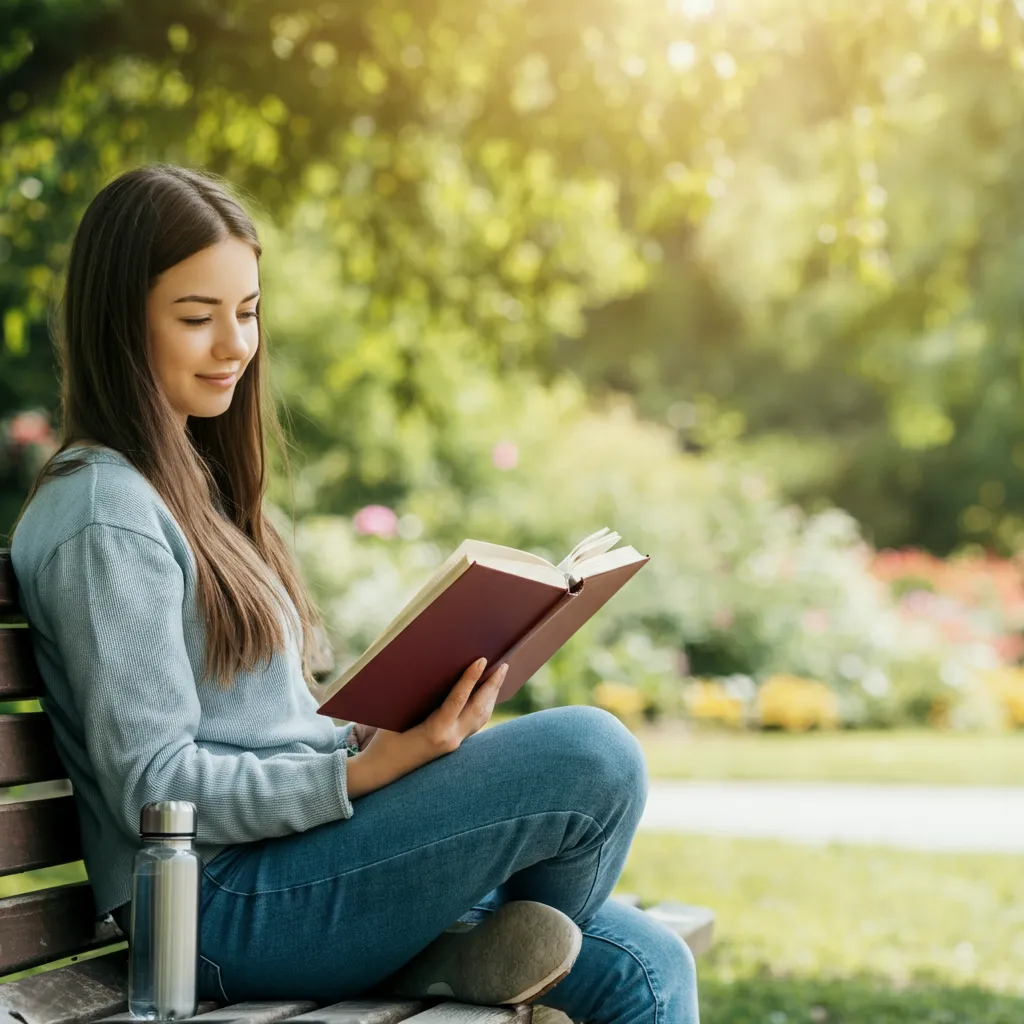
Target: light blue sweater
108	584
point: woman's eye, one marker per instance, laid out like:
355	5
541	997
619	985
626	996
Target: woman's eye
196	321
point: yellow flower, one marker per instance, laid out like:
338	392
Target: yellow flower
621	699
709	701
1006	683
796	704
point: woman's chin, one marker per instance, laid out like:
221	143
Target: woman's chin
208	410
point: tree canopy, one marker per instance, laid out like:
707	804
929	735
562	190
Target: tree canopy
832	182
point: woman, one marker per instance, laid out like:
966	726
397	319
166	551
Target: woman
173	636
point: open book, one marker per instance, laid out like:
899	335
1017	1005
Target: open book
485	601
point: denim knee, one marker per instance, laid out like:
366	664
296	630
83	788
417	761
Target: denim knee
673	974
592	746
631	968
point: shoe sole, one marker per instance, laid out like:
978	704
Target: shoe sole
545	985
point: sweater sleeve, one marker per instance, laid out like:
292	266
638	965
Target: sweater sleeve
113	601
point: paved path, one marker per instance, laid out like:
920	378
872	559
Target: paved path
965	818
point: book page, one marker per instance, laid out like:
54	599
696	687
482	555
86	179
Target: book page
595	544
481	549
541	571
606	561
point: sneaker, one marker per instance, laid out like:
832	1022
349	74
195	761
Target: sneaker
515	955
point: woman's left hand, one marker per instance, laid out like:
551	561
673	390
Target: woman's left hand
363	735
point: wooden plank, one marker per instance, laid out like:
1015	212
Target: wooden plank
549	1015
76	994
38	833
237	1013
694	925
27	753
19	677
39	927
205	1006
466	1013
8	584
362	1011
257	1013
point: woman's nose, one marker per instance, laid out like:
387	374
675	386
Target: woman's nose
231	342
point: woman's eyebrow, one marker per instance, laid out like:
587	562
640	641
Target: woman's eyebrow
211	301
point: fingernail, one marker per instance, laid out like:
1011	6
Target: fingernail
481	663
503	670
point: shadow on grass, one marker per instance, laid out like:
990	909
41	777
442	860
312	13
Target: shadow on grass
860	1000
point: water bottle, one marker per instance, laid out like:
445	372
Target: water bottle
163	953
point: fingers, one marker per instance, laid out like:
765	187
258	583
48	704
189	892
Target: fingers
482	702
459	695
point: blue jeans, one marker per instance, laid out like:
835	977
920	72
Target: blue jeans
543	808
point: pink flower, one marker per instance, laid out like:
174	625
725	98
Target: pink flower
815	620
505	455
30	428
375	521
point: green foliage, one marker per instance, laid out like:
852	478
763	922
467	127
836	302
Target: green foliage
852	291
832	186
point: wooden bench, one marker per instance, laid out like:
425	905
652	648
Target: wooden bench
39	829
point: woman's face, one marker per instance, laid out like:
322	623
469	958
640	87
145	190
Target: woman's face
202	327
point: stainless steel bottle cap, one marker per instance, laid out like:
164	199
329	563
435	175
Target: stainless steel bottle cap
168	818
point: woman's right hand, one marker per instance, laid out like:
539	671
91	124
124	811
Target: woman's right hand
390	755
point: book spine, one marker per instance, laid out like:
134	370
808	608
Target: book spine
556	610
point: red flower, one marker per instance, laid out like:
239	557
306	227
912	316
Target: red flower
30	428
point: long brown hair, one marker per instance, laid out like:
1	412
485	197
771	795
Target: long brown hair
139	225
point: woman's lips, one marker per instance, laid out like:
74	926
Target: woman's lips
218	382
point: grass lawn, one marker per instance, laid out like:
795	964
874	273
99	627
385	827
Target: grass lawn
676	751
842	935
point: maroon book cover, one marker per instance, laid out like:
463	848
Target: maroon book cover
483	613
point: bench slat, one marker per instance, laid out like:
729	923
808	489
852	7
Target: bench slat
27	753
694	925
37	834
39	927
205	1006
257	1013
466	1013
8	585
362	1011
19	678
76	994
237	1013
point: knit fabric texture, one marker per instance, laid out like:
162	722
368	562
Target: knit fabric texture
107	581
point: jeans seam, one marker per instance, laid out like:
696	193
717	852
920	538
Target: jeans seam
404	853
215	969
597	872
636	956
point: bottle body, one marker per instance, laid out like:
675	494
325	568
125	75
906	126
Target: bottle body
163	953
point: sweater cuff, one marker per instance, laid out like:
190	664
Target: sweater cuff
341	763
